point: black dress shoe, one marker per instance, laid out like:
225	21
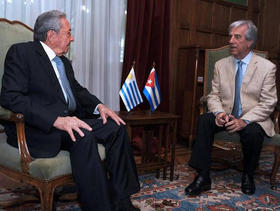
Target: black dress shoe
126	205
247	184
199	185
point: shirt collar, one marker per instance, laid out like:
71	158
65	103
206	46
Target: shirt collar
51	54
246	59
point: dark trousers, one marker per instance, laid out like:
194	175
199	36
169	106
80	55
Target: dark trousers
251	138
97	187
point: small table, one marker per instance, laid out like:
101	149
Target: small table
167	125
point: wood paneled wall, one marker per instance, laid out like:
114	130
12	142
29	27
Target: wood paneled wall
204	23
269	33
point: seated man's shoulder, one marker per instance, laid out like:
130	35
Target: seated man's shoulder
22	48
224	61
264	63
21	45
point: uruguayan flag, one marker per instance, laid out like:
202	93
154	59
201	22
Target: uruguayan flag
152	91
129	92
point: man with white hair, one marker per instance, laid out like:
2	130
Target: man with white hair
242	98
59	113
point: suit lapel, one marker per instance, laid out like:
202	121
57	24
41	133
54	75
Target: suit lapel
46	64
231	76
249	72
70	78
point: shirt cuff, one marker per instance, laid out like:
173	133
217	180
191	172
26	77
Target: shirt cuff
247	121
215	113
96	109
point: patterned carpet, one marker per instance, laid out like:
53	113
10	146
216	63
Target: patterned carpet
163	195
225	194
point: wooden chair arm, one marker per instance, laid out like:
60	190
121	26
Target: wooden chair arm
18	118
275	118
203	105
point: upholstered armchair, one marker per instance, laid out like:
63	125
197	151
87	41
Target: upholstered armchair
230	142
46	174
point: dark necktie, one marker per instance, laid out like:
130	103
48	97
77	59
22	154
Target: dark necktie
65	83
238	82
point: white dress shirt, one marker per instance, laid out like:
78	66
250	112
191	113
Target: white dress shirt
51	54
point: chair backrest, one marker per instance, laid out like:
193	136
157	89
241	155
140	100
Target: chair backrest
11	32
211	57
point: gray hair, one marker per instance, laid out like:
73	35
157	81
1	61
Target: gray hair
251	33
49	20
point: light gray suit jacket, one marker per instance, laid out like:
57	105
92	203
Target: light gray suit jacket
258	90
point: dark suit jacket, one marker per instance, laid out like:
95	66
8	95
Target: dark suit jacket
30	87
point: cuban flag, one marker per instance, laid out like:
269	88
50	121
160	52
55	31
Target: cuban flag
129	92
152	91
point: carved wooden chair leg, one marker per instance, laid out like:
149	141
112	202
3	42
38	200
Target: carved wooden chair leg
275	168
46	196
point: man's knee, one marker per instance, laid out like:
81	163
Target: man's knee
253	129
206	118
114	126
252	134
113	129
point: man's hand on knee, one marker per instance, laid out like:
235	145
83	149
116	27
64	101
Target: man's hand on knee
69	124
235	124
221	119
105	112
